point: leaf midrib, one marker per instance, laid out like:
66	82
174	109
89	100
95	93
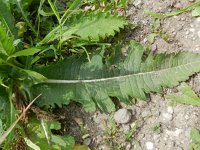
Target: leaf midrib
54	81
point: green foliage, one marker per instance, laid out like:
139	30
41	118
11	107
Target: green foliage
157	128
186	96
7	116
93	83
196	12
22	6
13	81
195	139
49	30
26	52
6	16
18	56
1	128
108	3
4	107
6	44
87	26
40	133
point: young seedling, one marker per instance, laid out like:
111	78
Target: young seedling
157	128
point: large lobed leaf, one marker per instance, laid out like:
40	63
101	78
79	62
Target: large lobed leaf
93	83
87	26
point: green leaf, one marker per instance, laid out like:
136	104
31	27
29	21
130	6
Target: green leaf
6	43
22	6
4	107
7	116
196	12
1	128
40	133
72	7
93	83
87	26
186	96
8	19
31	144
26	52
195	139
35	75
151	38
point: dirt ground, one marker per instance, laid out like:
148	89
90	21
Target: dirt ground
156	124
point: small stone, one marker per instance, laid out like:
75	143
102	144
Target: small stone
183	19
187	117
197	49
177	132
128	146
193	38
170	110
93	7
122	116
174	33
191	0
145	40
149	145
192	29
87	8
167	117
191	25
198	19
187	32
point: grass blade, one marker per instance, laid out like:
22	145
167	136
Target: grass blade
178	12
3	138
